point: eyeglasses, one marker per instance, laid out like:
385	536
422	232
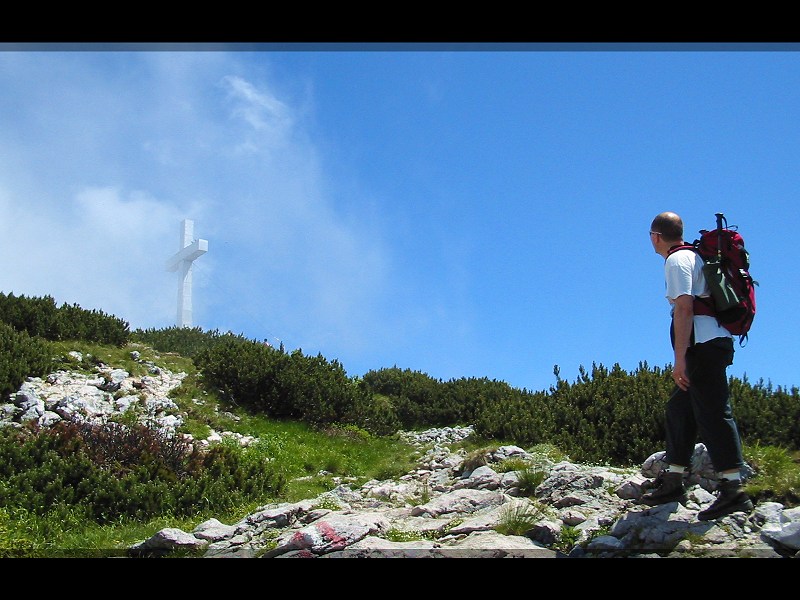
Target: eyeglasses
655	233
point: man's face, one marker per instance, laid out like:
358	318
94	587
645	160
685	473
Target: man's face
655	238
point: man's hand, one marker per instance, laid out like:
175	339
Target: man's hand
679	375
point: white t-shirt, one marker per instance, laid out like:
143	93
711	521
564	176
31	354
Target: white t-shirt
683	271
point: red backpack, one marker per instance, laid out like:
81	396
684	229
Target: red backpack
727	271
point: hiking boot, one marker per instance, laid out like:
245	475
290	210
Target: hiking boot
731	499
668	488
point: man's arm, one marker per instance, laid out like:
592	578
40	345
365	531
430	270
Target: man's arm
682	315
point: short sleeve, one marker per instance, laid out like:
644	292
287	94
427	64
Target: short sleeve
678	271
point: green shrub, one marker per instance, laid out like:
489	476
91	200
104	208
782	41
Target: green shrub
422	401
766	415
608	415
41	317
568	537
186	341
115	472
291	386
21	356
415	396
374	413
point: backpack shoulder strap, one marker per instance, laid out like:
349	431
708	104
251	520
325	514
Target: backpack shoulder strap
683	246
701	306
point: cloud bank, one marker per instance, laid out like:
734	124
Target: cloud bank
103	154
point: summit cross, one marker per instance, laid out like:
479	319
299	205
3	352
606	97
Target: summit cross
189	251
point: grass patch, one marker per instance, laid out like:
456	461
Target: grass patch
116	357
299	452
399	535
311	459
514	463
518	517
777	475
528	479
67	533
547	453
475	445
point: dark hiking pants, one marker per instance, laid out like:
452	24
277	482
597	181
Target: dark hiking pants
704	409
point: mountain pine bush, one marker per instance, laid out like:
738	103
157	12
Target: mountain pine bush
186	341
40	317
21	356
292	385
605	415
115	472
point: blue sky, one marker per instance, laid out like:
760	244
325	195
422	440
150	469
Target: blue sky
464	211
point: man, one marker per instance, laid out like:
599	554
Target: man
700	402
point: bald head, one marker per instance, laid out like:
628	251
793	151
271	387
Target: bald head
669	225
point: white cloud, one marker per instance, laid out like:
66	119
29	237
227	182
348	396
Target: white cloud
258	108
271	120
108	254
91	209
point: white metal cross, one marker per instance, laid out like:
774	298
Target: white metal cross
189	250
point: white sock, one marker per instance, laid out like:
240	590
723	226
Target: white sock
731	476
676	469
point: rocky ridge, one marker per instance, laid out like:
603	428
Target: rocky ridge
451	506
442	510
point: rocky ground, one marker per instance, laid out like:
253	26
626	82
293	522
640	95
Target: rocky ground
445	510
450	506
